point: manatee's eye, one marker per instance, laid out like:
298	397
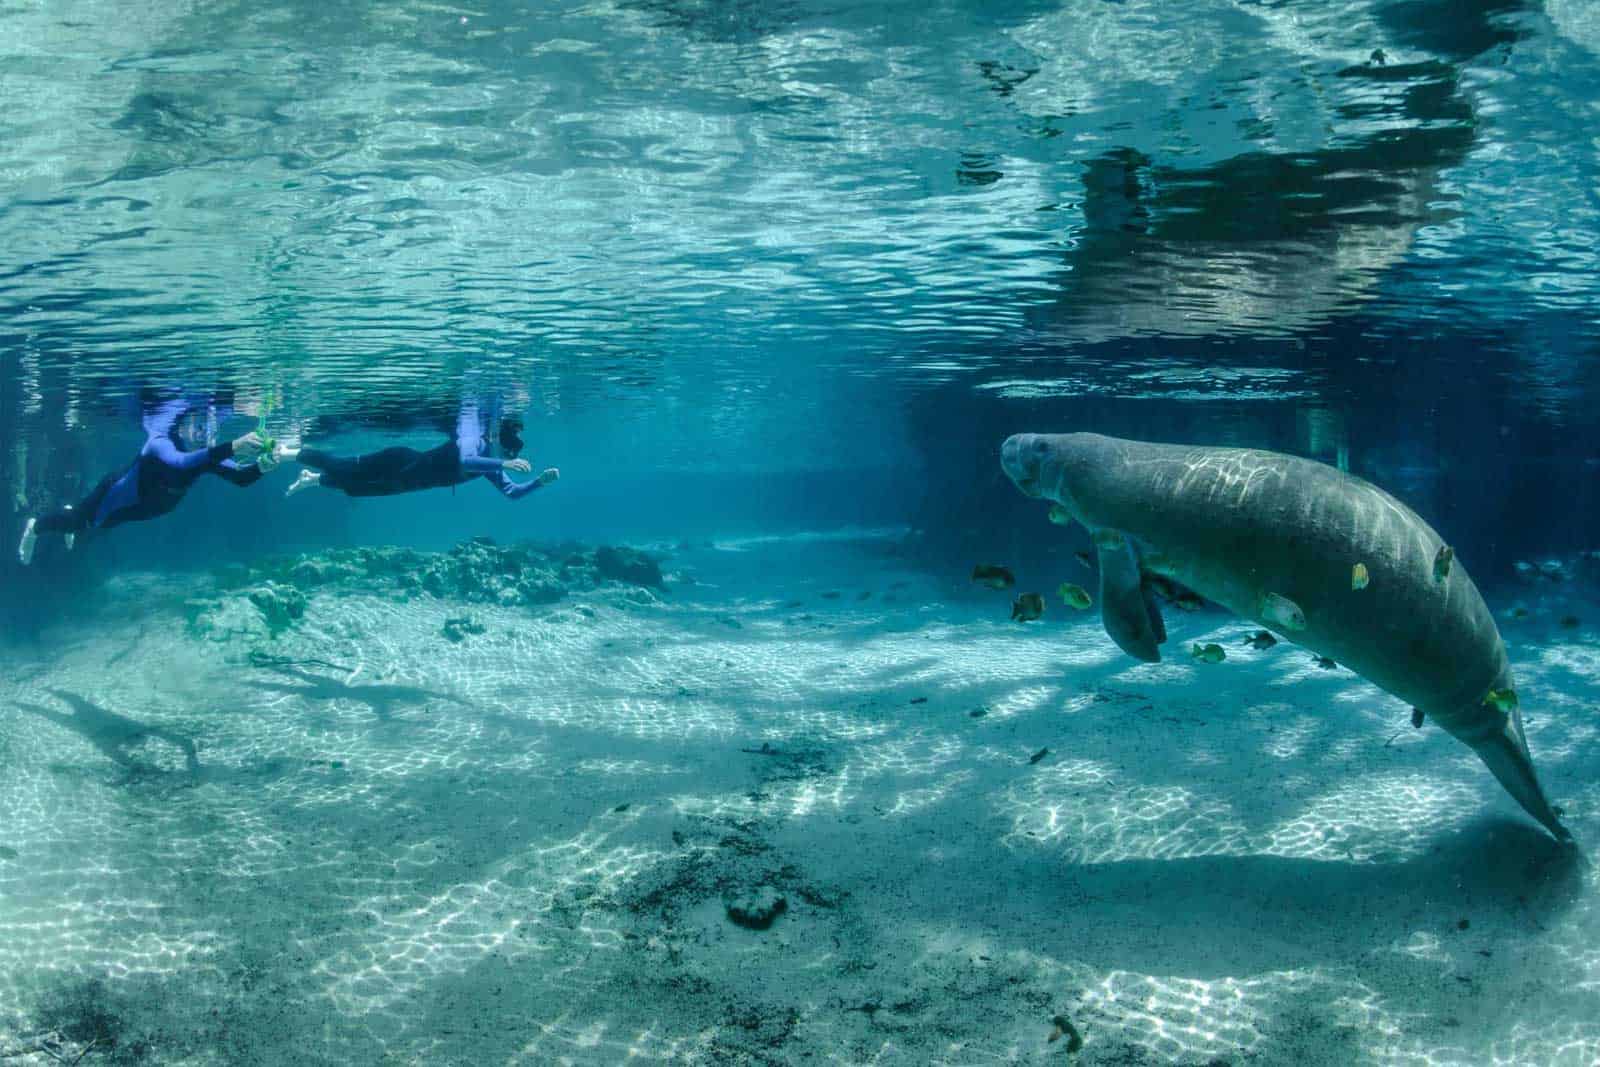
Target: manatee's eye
1040	448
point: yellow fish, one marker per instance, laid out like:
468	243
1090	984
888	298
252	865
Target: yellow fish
1501	699
1074	596
1359	577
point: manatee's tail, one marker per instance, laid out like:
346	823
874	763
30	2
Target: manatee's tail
1506	754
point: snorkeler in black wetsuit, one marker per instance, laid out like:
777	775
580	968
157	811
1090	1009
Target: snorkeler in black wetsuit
406	470
153	483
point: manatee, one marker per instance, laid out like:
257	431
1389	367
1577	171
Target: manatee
1254	531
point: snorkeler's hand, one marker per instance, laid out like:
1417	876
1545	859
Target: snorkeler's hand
281	452
549	475
520	466
248	447
267	460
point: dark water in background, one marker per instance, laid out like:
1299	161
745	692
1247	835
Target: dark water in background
801	264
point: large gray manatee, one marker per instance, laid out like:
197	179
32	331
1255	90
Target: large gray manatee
1275	538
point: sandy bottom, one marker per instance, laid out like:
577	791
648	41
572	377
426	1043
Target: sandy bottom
522	848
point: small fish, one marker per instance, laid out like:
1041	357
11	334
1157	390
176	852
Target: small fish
1105	537
1212	653
1074	596
1359	576
994	576
8	853
1283	612
1061	1027
1039	755
1060	515
1441	562
1165	588
1325	663
1416	718
1519	612
1027	607
1501	699
1569	621
1083	558
1260	640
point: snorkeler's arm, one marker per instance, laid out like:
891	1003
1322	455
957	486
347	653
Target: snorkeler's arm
510	489
481	464
237	473
164	450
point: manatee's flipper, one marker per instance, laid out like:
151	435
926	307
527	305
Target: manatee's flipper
1152	605
1129	617
1506	754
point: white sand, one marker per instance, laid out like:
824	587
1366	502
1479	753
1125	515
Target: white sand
525	850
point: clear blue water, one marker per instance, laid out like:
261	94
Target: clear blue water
770	282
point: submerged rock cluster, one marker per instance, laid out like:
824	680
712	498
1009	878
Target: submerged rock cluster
266	599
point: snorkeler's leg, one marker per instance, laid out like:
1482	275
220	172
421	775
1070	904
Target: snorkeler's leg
69	522
381	473
308	479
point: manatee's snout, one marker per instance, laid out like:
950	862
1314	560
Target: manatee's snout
1021	457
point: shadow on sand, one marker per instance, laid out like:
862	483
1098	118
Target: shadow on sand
1230	915
113	734
381	698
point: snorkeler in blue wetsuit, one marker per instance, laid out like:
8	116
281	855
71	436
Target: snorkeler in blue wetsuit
152	484
407	470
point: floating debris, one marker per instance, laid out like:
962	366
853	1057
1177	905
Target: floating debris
1074	596
1359	577
994	576
1211	653
1027	607
1061	1027
1441	562
1261	640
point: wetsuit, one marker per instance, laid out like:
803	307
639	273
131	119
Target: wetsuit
152	484
406	470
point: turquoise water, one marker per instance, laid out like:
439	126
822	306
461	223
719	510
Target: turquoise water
442	777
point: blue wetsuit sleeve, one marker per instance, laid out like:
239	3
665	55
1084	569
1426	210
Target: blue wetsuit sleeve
164	450
479	464
231	471
512	490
